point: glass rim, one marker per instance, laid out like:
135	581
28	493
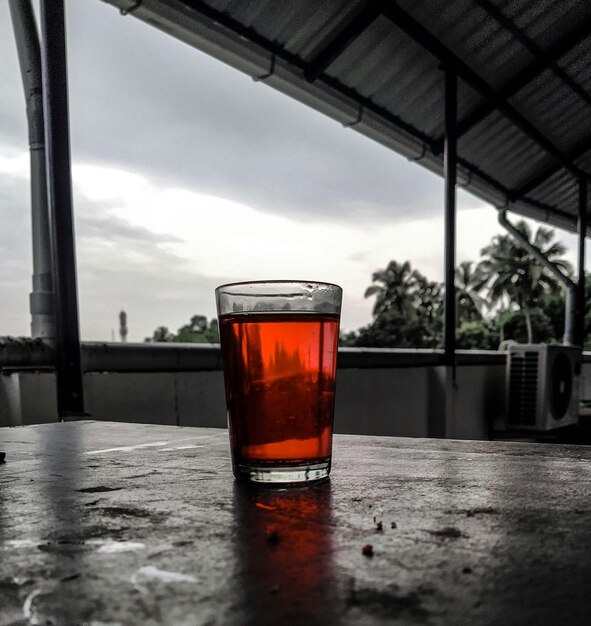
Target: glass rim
278	282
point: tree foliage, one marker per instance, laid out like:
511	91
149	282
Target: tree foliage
470	303
512	275
507	294
198	330
407	310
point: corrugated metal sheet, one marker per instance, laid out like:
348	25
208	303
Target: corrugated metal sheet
560	189
390	74
466	29
506	153
545	21
367	67
577	63
559	112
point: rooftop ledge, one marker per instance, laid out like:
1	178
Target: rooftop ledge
16	353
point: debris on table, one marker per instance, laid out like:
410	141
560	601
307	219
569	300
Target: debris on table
2	457
379	527
265	506
272	536
393	525
481	510
367	550
449	532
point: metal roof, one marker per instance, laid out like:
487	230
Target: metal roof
524	70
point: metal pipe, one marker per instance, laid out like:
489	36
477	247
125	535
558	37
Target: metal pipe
70	398
449	173
571	288
29	55
583	222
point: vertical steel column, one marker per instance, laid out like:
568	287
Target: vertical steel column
70	398
583	223
449	174
29	55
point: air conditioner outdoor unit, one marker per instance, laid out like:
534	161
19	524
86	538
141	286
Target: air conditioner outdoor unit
542	386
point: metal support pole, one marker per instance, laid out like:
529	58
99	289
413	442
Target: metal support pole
448	427
583	223
449	173
29	55
70	400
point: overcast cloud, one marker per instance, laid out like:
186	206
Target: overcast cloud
188	174
189	120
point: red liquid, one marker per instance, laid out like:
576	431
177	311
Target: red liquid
279	370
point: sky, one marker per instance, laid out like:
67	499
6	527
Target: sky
188	174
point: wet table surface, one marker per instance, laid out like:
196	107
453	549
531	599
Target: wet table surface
110	523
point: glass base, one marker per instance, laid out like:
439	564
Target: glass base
283	475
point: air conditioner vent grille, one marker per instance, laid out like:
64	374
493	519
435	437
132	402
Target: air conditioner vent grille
523	388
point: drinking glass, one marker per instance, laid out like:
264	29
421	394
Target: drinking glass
279	348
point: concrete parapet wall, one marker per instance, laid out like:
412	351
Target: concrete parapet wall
27	397
386	401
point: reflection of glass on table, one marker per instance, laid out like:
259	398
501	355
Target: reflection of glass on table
283	547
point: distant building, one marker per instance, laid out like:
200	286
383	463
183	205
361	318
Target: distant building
123	326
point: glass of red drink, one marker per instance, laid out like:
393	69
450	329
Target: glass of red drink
279	350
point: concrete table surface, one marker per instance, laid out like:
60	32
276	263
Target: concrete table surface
109	523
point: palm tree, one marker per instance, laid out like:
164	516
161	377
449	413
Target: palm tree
395	288
513	275
429	306
468	283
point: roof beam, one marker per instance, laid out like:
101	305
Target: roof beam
537	179
543	60
341	37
